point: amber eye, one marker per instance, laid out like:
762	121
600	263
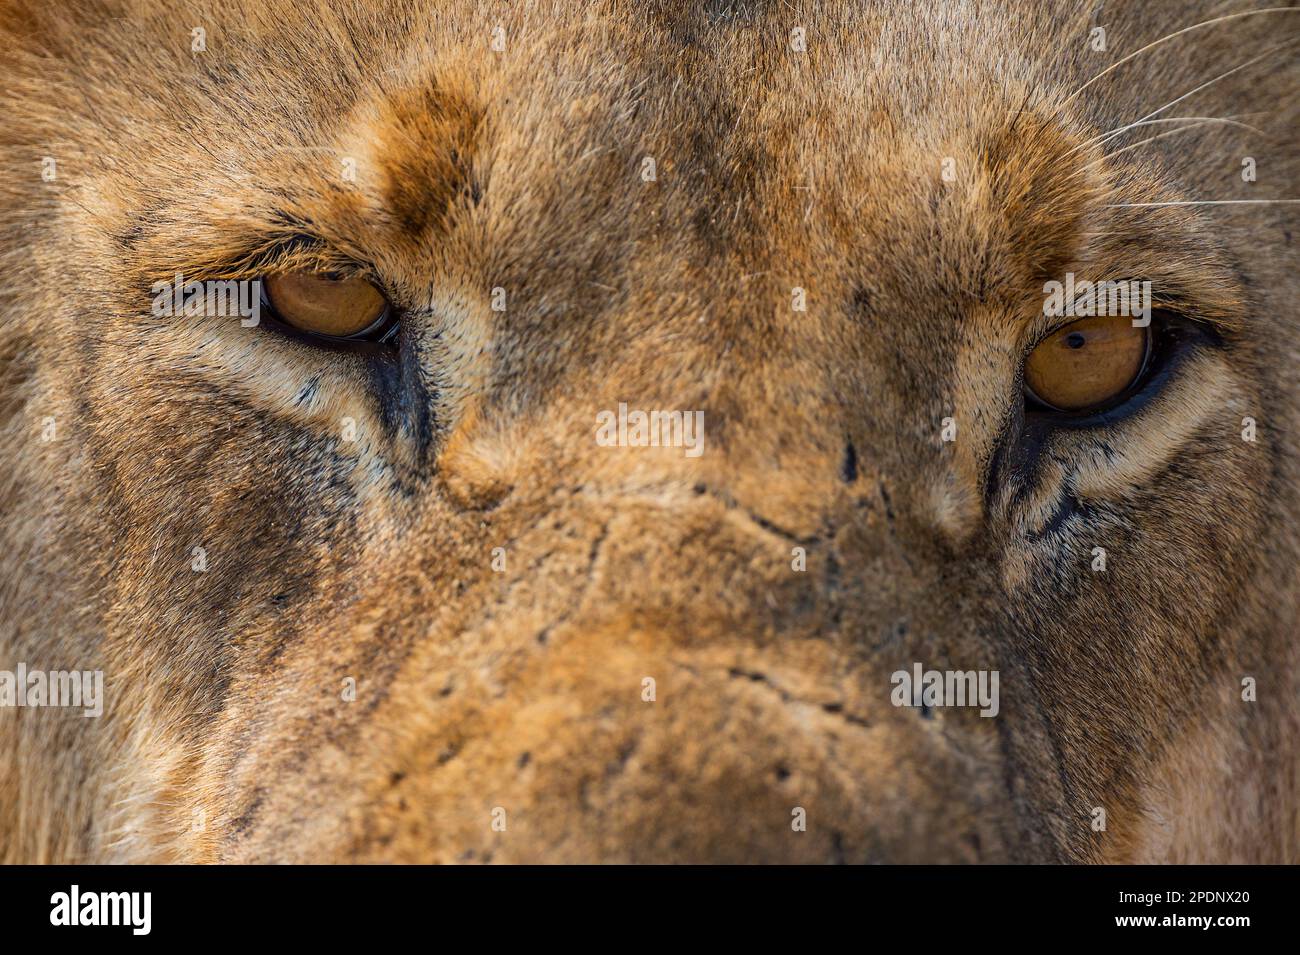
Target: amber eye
1087	364
347	308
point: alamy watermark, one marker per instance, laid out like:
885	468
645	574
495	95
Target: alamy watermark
933	688
1087	299
75	907
651	429
216	298
70	688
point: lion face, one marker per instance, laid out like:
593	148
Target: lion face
434	598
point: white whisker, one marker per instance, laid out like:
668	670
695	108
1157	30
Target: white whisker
1227	120
1105	137
1170	36
1202	202
1204	121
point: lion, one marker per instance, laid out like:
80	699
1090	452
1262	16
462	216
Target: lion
643	432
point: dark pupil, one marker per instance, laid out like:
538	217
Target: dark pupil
1075	340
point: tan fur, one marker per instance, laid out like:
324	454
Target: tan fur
226	735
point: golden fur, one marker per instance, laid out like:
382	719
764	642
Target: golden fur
227	735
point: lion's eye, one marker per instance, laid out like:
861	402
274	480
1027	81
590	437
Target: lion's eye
333	308
1087	364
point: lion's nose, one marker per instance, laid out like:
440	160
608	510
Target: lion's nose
625	745
673	672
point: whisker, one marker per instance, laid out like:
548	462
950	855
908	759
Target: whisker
1170	36
1167	119
1204	121
1202	202
1105	137
1228	120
